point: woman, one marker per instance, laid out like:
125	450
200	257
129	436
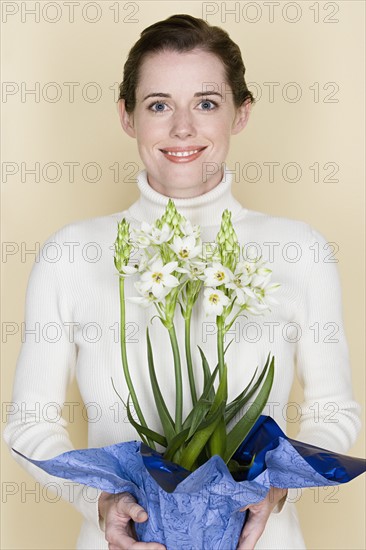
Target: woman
183	95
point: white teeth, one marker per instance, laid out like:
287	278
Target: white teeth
182	153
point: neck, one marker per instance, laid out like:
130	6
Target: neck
204	210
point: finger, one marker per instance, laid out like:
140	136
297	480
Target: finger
128	506
248	542
136	512
130	544
253	529
148	546
127	543
118	538
135	545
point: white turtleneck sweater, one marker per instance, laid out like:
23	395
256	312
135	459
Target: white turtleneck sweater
73	298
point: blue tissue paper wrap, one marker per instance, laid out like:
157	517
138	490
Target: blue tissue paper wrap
201	509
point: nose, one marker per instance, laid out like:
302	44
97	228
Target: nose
183	125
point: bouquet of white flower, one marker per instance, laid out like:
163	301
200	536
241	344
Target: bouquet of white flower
195	491
173	267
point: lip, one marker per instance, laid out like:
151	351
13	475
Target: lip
179	159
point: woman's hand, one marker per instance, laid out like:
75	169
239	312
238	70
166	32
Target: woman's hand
118	512
258	515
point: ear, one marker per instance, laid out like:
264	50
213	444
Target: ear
241	117
126	118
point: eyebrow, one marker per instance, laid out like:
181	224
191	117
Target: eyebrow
197	94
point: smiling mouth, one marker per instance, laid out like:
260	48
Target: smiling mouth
177	152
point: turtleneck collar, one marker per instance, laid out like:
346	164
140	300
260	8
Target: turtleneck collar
204	210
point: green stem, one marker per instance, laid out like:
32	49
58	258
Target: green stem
124	354
217	441
229	325
220	344
192	384
178	379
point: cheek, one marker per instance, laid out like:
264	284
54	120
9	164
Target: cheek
149	132
221	127
222	134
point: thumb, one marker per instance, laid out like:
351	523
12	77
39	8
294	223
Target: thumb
137	513
140	515
128	506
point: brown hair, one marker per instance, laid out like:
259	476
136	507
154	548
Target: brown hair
183	33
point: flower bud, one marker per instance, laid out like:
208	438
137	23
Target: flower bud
172	217
122	245
228	242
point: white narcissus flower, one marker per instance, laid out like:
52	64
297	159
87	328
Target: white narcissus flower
142	236
188	229
214	301
150	234
194	268
264	292
138	264
241	279
217	275
158	277
185	248
159	236
254	307
147	297
249	268
128	270
261	275
245	295
246	298
145	260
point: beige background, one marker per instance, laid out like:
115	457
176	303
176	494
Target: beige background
312	52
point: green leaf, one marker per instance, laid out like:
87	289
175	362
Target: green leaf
234	466
165	418
200	438
182	438
217	441
234	407
148	441
199	413
229	310
181	309
241	394
175	443
225	350
142	430
195	446
204	399
245	424
206	375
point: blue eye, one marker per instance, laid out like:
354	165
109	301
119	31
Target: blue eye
159	107
208	105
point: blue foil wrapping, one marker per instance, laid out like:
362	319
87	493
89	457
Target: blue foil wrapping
201	509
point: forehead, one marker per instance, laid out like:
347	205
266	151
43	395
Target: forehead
180	71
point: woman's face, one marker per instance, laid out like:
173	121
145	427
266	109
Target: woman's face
183	120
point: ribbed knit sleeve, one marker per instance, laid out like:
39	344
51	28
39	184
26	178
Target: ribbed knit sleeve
330	417
44	370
